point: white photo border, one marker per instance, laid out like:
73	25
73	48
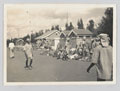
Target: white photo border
62	83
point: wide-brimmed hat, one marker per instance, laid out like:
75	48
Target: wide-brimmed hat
104	36
104	39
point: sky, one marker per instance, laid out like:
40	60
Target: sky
21	19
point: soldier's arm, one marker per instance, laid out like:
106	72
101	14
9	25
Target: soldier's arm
32	50
94	59
91	65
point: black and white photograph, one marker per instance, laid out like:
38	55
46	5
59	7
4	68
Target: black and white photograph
59	44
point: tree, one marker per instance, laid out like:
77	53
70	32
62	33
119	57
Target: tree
52	28
57	27
71	26
25	37
66	26
80	24
90	26
32	38
8	41
40	32
106	24
37	34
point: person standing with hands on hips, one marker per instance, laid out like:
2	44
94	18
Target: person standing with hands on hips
103	60
28	50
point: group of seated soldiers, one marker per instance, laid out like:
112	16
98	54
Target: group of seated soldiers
82	51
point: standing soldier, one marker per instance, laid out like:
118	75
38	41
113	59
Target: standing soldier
11	47
28	50
64	54
84	48
102	59
67	46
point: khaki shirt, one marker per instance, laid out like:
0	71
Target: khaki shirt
28	50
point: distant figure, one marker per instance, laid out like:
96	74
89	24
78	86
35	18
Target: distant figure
58	51
84	48
11	47
64	54
28	54
67	46
102	59
89	45
79	50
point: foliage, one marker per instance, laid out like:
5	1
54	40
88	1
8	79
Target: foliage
52	28
57	27
106	24
69	27
90	26
80	24
66	26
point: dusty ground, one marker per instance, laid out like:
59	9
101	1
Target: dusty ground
47	68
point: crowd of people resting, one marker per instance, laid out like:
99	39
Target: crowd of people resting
83	51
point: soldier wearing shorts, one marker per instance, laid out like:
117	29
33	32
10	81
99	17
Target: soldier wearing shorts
28	50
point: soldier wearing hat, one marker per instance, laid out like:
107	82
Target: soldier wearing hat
28	54
102	59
